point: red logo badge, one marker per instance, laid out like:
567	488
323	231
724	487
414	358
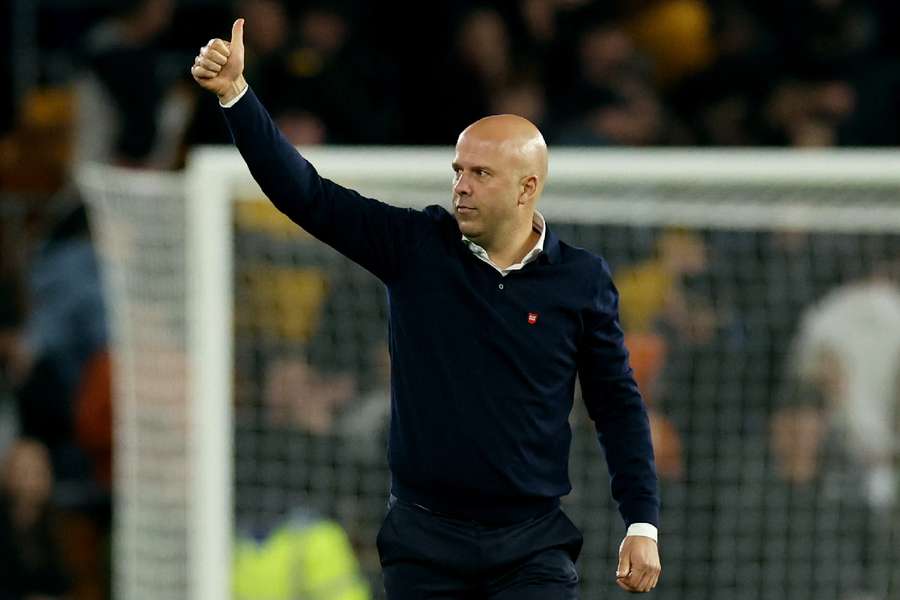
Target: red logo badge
532	318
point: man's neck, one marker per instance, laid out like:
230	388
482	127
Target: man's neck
518	243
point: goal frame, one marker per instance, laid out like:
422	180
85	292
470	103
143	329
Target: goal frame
215	176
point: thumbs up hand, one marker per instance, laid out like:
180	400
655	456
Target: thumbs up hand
219	67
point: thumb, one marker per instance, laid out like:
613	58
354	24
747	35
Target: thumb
237	34
624	567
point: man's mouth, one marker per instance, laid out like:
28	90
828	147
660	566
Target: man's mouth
463	209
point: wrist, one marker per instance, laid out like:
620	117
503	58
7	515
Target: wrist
234	90
643	530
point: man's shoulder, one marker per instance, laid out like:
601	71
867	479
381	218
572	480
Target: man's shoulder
430	225
440	220
588	268
582	259
438	214
591	275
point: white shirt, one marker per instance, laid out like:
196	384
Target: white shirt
537	225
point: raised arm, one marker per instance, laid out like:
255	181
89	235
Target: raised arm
377	236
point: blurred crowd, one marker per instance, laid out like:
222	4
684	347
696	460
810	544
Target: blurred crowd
623	72
109	81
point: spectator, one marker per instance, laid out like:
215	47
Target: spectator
809	114
336	92
296	396
64	328
30	565
479	65
848	350
833	443
131	111
613	101
303	556
710	72
830	56
524	97
719	104
653	290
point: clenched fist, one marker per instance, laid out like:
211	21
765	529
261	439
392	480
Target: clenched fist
219	67
639	567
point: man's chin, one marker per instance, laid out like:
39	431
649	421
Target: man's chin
466	227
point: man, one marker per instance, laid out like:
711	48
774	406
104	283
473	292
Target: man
491	319
848	349
131	109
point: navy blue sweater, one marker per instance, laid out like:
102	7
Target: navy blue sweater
480	397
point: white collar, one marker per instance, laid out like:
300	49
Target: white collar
537	224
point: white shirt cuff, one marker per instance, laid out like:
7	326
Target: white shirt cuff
235	100
643	529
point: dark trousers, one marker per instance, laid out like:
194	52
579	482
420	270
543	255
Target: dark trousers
425	555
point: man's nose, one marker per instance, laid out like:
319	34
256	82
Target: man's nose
462	186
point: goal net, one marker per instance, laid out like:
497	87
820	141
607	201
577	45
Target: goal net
760	303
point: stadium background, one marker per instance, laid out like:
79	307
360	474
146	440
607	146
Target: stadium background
771	489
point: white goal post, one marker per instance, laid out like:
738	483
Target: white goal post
167	243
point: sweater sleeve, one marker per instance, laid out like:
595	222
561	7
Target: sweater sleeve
615	405
373	234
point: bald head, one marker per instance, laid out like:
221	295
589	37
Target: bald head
516	141
499	172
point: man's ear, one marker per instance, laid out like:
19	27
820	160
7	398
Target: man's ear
528	187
